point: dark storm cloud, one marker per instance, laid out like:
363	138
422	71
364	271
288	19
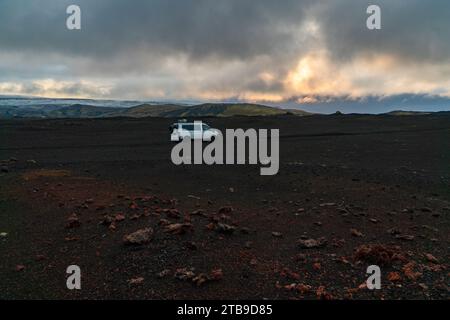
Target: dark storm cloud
231	29
185	47
415	30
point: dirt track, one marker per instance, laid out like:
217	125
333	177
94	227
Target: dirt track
357	181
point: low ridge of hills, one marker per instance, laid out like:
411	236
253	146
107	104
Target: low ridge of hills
145	110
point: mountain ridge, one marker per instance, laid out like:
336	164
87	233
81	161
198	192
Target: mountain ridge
146	110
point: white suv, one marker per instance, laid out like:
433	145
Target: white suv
194	130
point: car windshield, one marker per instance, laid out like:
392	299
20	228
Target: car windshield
206	127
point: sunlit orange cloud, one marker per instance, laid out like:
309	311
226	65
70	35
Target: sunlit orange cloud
51	88
316	74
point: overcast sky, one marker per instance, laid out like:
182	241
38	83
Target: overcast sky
296	51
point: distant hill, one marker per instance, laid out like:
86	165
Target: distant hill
209	110
146	110
406	113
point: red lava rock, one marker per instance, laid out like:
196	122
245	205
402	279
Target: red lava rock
303	288
216	274
134	206
394	276
119	217
312	243
410	273
377	254
139	237
431	258
317	266
323	294
73	222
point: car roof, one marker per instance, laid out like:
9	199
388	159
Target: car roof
198	122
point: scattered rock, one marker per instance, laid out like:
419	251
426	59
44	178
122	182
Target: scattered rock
191	245
139	237
431	258
119	217
404	237
394	231
173	213
303	288
20	267
394	276
328	204
226	210
107	220
423	286
136	281
71	239
216	274
164	273
245	230
200	279
3	235
356	233
322	294
179	228
313	243
277	234
184	274
73	222
409	271
225	228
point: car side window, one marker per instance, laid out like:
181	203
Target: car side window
188	127
197	127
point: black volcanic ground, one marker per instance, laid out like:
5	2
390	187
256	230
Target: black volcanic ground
367	189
